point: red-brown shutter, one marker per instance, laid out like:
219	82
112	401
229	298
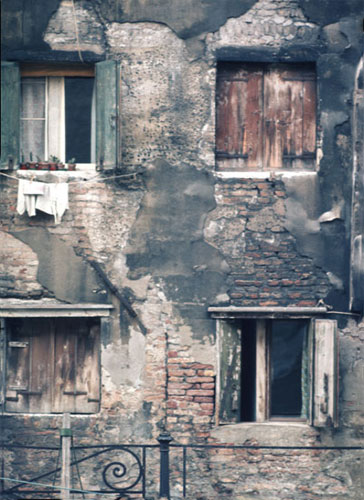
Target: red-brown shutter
265	117
29	366
77	378
289	117
239	117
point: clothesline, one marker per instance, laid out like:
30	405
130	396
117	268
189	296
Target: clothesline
97	178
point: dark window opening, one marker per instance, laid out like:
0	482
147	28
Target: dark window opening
287	368
78	105
248	371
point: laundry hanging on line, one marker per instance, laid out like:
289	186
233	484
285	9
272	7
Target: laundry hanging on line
51	198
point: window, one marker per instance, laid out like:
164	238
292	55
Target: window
57	117
265	116
61	110
277	370
52	365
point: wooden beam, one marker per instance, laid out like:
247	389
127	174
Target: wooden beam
261	372
42	69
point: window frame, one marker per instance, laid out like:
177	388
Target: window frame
55	111
108	109
97	314
246	138
323	364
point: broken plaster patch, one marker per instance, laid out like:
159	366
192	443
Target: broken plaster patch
267	23
75	26
124	362
141	37
200	350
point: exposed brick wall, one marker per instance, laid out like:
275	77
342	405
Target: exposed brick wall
191	395
266	268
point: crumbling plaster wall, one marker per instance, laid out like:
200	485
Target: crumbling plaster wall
183	238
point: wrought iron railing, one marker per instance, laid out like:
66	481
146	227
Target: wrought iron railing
119	471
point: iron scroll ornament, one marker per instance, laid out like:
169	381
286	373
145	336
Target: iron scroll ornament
119	471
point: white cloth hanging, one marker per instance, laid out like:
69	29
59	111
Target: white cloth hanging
28	191
54	201
51	198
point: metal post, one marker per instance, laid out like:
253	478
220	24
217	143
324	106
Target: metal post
164	440
66	437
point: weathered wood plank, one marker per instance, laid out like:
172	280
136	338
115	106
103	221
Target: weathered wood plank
261	372
325	373
10	114
59	69
229	373
108	120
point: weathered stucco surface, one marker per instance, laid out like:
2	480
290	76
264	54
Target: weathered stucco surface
179	237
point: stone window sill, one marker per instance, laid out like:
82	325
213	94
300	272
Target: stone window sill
266	433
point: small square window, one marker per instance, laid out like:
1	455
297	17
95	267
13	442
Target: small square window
62	110
58	118
52	365
277	369
265	116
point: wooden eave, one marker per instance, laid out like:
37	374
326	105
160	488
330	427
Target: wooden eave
37	309
232	312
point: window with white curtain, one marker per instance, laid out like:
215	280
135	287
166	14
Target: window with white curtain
58	118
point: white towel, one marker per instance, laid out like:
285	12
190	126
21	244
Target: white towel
28	192
49	198
54	201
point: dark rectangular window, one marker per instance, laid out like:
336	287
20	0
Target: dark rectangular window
277	369
288	368
57	119
78	104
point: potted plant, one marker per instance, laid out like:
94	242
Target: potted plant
42	165
23	165
52	162
71	164
32	164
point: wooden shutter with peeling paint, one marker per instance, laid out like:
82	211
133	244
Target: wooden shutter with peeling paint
108	119
325	377
265	116
239	116
289	117
76	375
229	409
53	365
29	366
10	114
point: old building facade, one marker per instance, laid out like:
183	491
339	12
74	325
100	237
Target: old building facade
201	271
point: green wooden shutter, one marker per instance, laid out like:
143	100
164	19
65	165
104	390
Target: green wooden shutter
10	114
325	383
229	339
108	119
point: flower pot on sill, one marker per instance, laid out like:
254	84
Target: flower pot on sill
43	165
33	165
60	166
24	166
52	165
71	166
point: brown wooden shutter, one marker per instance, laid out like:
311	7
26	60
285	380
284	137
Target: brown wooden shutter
77	377
229	405
265	116
289	117
325	383
29	366
239	117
